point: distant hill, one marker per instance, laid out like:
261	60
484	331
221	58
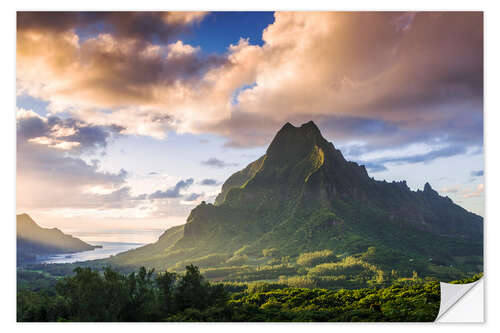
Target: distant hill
33	240
302	200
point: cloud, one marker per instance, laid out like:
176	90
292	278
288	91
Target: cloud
51	179
47	179
209	182
382	80
103	72
388	87
116	73
477	173
54	143
374	167
173	192
50	170
61	182
64	134
138	25
193	196
216	163
477	192
119	198
447	151
449	190
379	164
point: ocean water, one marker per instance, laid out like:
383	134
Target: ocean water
108	249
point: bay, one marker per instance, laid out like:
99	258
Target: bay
108	249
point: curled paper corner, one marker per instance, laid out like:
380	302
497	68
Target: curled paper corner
461	302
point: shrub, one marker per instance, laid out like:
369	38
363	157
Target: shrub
350	267
272	252
311	259
298	281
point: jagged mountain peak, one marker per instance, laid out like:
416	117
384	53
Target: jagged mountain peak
310	125
301	167
307	130
429	190
292	143
303	196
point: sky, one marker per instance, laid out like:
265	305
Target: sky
127	120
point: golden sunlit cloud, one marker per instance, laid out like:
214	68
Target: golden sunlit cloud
54	143
184	17
323	64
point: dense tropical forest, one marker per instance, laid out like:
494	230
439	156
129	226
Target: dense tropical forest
145	295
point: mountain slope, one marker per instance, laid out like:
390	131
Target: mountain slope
303	196
33	240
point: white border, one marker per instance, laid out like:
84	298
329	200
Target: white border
7	133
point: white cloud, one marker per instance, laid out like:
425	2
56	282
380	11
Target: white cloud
473	193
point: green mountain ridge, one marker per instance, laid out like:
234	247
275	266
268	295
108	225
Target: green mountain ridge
33	240
301	197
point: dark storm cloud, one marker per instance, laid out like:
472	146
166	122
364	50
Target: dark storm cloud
216	163
173	192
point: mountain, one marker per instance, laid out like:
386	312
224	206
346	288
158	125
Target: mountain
33	240
302	197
